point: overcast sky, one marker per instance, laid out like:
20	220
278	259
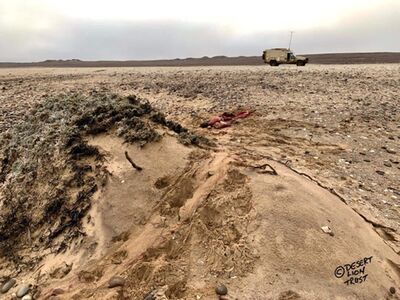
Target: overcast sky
35	30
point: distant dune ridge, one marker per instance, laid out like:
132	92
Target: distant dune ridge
328	58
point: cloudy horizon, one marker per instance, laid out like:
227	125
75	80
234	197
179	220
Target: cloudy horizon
123	30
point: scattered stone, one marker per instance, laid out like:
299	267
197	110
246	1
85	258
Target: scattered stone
387	164
23	290
327	230
8	285
27	297
116	281
380	172
392	290
221	290
390	151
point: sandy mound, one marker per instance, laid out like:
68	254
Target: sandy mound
218	220
49	174
133	201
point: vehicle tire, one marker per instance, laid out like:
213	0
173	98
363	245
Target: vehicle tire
273	63
300	63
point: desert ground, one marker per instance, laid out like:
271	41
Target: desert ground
100	186
327	58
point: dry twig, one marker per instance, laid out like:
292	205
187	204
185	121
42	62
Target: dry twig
132	163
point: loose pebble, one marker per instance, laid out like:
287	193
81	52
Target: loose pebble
27	297
8	285
327	230
392	290
23	290
116	281
221	290
391	151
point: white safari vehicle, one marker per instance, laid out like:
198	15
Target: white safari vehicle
277	56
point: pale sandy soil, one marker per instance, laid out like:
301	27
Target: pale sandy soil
260	234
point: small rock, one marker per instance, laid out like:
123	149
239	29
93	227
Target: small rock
23	290
391	151
392	290
380	172
221	290
387	164
327	230
8	285
116	281
27	297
